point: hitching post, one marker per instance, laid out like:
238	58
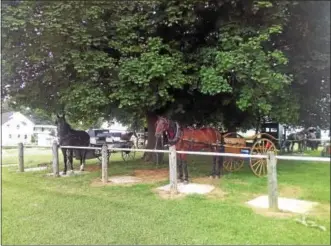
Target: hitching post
272	181
55	151
173	169
20	157
104	152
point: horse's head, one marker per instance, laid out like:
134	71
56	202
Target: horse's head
161	125
61	124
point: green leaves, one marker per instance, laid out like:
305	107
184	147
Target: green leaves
151	56
243	66
212	82
150	76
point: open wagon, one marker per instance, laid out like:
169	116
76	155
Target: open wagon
258	144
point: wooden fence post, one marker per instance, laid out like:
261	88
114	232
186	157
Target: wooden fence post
20	157
173	170
55	151
272	181
104	152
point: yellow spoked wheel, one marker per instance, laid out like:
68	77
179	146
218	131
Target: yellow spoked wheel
233	164
261	147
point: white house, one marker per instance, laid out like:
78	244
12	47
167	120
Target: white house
46	134
114	126
16	128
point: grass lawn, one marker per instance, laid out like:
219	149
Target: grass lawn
43	210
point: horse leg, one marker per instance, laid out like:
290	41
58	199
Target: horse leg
70	157
82	160
219	160
185	170
180	168
213	169
65	159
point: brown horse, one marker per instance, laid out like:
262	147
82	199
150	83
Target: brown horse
189	139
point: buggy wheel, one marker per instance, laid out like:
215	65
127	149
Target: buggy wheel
231	164
129	155
261	147
99	155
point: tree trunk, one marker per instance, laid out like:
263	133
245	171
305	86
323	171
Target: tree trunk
151	140
232	129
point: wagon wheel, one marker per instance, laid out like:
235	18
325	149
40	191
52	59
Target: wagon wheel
232	164
99	156
129	155
261	147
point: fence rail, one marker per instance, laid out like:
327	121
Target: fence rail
302	158
27	146
79	147
270	157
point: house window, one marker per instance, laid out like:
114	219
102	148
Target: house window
9	135
42	129
18	136
25	136
18	127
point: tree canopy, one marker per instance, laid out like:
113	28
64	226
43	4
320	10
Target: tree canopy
216	61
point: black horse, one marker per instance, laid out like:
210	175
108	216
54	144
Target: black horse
70	137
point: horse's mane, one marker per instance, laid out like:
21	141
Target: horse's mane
68	126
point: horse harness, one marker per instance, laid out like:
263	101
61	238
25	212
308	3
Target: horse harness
179	134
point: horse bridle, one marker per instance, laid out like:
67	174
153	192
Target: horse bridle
167	126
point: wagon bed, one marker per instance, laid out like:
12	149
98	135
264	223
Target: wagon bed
235	143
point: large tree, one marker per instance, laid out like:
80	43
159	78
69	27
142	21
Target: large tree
208	60
306	41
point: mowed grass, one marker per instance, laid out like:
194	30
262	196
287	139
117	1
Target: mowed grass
43	210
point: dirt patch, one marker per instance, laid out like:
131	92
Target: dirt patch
167	195
206	180
217	193
150	175
321	211
44	164
92	168
145	175
98	183
269	213
290	191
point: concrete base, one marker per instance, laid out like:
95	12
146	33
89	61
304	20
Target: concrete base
190	188
124	179
34	169
69	173
284	204
9	165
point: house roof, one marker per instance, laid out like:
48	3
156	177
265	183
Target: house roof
34	119
6	117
